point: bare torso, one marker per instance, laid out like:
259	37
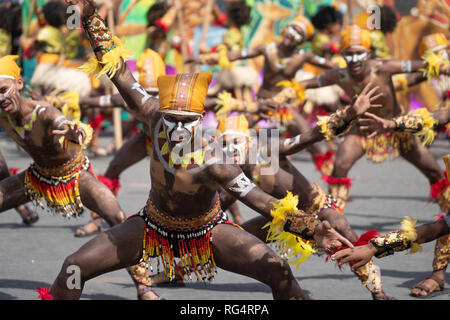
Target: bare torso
39	142
351	86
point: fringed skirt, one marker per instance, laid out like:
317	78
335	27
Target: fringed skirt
189	240
382	146
58	186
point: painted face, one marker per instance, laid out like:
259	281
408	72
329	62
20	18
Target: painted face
7	95
180	128
293	35
356	59
235	147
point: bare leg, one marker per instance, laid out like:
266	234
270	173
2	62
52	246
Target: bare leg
348	153
367	274
422	158
132	151
97	197
12	192
238	251
116	248
28	214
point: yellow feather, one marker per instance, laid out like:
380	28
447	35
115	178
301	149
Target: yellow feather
434	63
408	229
289	245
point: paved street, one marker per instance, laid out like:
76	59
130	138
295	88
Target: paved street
382	195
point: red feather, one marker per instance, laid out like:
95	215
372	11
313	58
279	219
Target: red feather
44	293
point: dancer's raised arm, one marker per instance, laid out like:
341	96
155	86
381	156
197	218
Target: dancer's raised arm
110	60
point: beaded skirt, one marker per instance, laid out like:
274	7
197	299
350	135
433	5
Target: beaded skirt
58	186
182	246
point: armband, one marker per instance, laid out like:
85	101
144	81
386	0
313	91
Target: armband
334	125
398	240
292	230
420	122
109	50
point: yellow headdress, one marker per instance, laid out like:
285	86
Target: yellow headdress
183	93
305	25
435	42
355	36
9	68
361	19
150	66
234	124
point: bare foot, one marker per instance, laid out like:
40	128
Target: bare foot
92	227
28	215
433	284
147	293
382	296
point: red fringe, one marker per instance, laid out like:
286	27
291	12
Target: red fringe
439	217
438	187
112	184
96	123
320	159
363	240
44	293
333	180
13	171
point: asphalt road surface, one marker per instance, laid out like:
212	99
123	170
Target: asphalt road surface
381	196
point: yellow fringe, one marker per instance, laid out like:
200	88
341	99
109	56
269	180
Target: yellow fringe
224	63
322	123
434	63
408	229
401	81
223	101
428	122
288	244
111	61
71	106
298	88
88	132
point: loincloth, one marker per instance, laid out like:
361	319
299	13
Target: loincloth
58	186
382	146
187	239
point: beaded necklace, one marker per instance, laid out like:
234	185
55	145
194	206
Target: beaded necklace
25	130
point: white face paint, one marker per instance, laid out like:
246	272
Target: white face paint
3	103
354	58
177	131
290	30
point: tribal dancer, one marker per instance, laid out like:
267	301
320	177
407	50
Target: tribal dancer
282	60
237	141
422	124
61	177
182	218
355	46
240	148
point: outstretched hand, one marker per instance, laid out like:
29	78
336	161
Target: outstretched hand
85	7
72	133
356	257
267	108
329	239
363	102
375	125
